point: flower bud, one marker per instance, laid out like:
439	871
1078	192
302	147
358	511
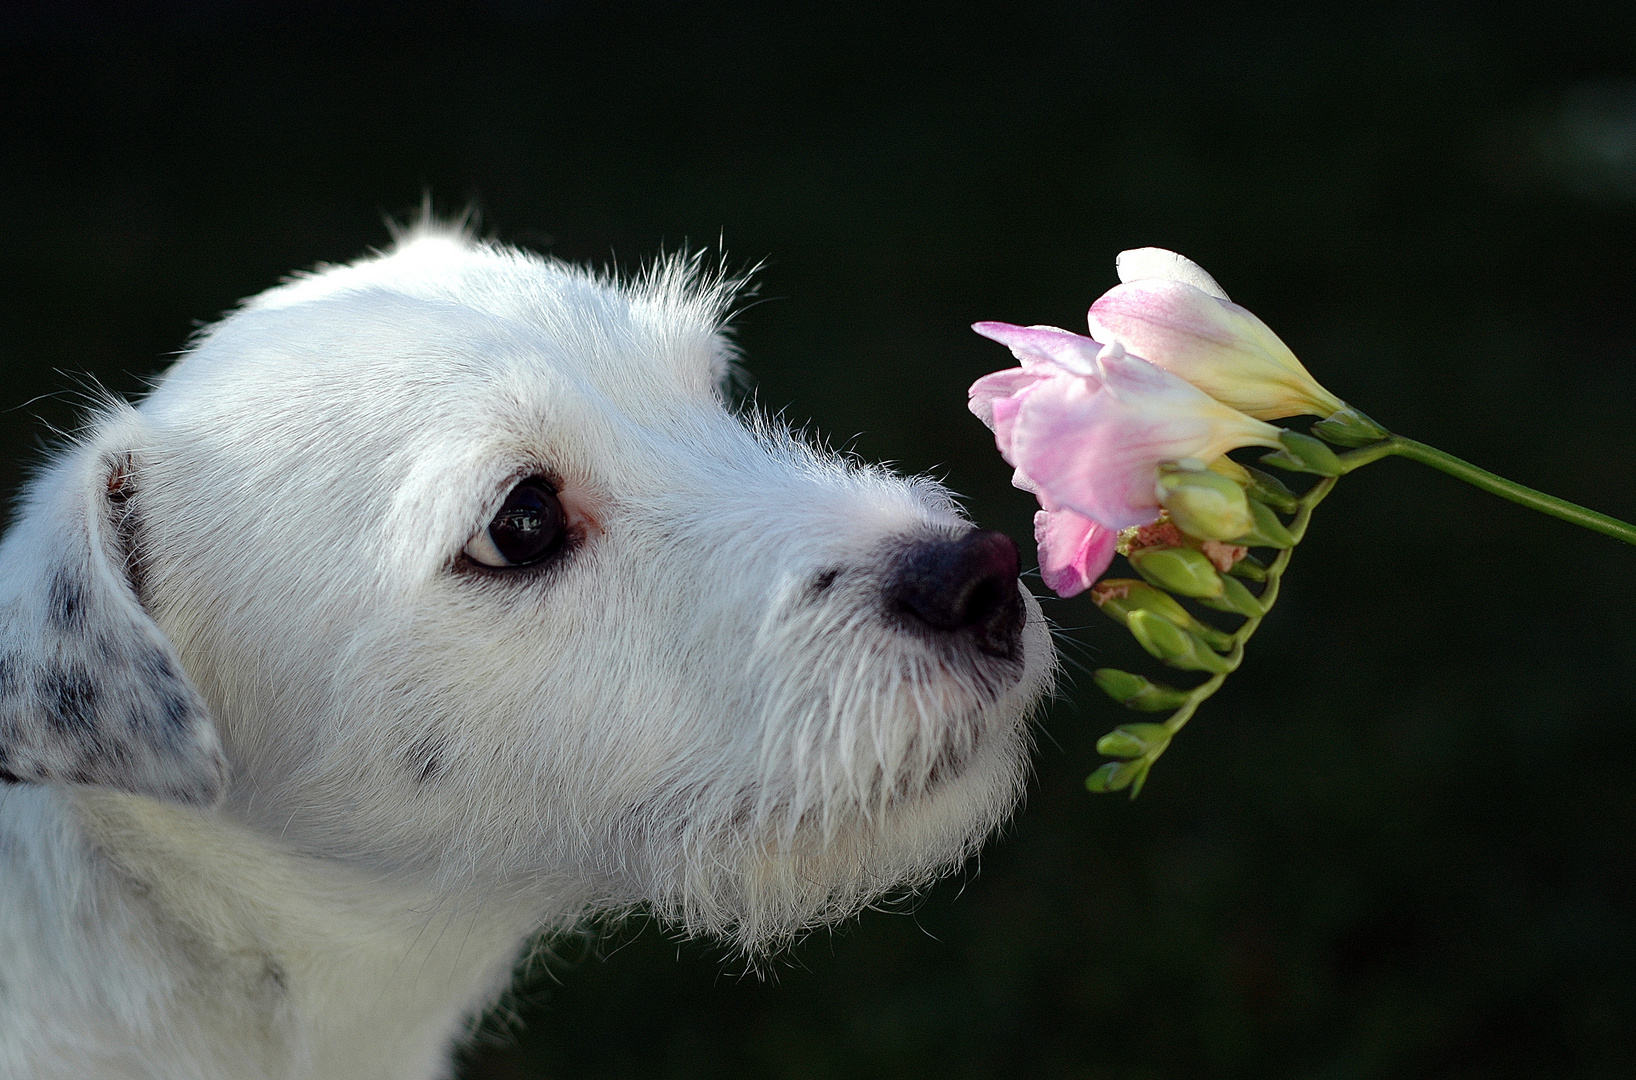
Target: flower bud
1203	504
1182	571
1119	775
1267	488
1134	740
1303	453
1268	531
1135	692
1236	599
1166	641
1349	427
1118	597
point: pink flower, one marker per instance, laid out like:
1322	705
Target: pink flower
1175	315
1086	426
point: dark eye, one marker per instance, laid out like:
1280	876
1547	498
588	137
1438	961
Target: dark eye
529	526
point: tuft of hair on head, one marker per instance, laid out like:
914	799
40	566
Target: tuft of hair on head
424	221
698	285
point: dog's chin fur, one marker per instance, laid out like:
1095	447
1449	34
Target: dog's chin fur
762	887
255	694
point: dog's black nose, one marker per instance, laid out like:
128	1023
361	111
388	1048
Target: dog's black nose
967	585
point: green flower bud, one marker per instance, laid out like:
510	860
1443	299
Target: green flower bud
1166	641
1203	503
1134	692
1267	488
1119	685
1118	597
1183	571
1119	775
1349	427
1267	532
1303	453
1134	740
1237	599
1249	568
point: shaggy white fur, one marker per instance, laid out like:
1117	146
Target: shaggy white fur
293	772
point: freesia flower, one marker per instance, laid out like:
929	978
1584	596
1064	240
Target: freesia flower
1086	426
1173	314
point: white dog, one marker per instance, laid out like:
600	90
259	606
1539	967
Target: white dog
438	599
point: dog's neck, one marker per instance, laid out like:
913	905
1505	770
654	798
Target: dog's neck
197	944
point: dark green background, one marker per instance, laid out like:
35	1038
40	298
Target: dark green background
1400	843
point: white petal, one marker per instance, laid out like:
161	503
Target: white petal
1151	262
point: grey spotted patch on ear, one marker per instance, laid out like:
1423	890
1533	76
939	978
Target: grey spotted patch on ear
91	691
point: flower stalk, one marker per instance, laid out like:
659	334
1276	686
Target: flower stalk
1132	774
1492	483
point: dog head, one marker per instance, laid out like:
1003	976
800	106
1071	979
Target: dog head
460	559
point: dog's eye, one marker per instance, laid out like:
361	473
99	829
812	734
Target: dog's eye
529	527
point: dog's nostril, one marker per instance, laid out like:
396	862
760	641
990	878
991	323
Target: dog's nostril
970	582
983	599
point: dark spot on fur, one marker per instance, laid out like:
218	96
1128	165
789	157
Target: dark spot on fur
65	603
70	699
157	666
175	710
106	647
174	706
821	582
273	973
425	758
119	478
126	522
9	777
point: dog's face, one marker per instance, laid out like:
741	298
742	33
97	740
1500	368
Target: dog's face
476	576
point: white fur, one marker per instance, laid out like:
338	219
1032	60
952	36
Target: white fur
301	783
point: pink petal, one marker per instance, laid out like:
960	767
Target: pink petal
1020	479
1074	550
1005	423
1000	384
1044	345
1161	319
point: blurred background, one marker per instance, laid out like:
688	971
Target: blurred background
1401	842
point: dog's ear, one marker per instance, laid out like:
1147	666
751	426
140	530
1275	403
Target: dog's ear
91	691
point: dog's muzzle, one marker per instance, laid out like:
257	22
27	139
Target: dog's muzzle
962	588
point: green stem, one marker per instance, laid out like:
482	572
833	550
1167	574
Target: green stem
1508	489
1497	485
